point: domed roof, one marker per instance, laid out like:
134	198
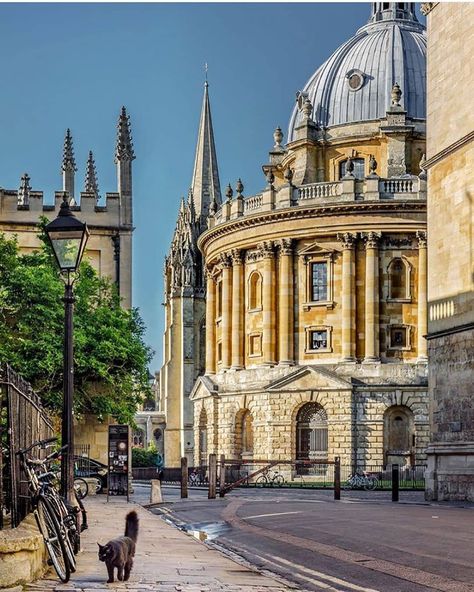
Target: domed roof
355	83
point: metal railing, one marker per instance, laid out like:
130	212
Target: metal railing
23	420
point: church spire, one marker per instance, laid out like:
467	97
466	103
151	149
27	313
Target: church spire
68	166
205	184
124	155
91	184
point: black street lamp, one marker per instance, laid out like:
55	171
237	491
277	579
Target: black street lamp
68	237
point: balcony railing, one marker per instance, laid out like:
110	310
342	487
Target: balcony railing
319	190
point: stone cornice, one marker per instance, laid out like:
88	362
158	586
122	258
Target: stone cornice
449	149
297	213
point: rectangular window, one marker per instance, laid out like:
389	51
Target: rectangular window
398	337
219	352
319	281
318	339
219	300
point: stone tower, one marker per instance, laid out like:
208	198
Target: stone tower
184	338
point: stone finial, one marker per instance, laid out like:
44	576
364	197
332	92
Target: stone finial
69	162
288	174
91	184
372	165
277	137
396	95
24	190
239	188
422	165
124	145
191	207
229	192
349	167
213	207
307	108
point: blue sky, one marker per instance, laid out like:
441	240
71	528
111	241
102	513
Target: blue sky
75	65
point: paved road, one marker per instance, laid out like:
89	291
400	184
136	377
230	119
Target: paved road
364	543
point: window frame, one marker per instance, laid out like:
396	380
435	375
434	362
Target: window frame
394	347
309	261
408	270
259	287
308	339
250	336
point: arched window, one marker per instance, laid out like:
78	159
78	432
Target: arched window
247	433
219	299
203	438
255	291
138	438
359	168
399	435
311	433
399	279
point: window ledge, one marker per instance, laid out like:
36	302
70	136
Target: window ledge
327	350
255	355
259	309
399	348
327	303
401	300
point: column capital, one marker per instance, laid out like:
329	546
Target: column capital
347	239
237	256
371	239
224	260
285	246
266	249
422	238
209	270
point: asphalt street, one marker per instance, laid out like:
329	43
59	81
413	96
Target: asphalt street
363	543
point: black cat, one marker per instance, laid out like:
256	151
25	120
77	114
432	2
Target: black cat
119	552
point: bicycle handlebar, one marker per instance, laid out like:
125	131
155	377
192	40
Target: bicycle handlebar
41	443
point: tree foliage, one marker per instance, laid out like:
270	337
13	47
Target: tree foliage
110	356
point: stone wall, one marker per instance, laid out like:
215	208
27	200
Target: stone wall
22	554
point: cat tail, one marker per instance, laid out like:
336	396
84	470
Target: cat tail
131	526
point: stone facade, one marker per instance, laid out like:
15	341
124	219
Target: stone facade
315	306
450	153
109	248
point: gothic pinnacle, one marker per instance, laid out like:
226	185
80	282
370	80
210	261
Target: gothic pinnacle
124	147
91	184
24	190
69	163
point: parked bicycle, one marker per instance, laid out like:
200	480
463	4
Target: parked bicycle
276	478
56	522
197	477
81	487
361	480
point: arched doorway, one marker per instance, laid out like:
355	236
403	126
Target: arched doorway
312	433
399	436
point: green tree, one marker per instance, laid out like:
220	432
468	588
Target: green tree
110	356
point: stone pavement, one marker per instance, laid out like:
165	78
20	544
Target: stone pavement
167	559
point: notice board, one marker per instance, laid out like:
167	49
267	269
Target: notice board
119	460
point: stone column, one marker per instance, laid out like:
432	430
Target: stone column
348	296
371	296
226	327
268	303
422	298
210	324
285	304
237	310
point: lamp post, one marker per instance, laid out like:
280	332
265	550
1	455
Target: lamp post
68	237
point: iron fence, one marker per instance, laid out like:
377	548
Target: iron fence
23	420
311	474
197	476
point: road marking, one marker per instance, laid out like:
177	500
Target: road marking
332	579
267	515
322	585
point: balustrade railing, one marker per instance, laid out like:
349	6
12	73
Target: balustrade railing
318	190
394	186
253	202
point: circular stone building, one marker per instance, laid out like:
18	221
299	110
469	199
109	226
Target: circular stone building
316	287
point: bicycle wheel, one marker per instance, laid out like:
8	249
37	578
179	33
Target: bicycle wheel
81	487
278	480
53	539
371	483
67	526
262	481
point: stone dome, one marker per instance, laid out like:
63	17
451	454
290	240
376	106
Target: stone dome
355	83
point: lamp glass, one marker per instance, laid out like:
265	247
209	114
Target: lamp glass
68	246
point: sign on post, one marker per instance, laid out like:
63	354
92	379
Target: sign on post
119	461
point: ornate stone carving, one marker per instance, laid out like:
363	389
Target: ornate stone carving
372	164
390	241
285	246
372	239
24	190
239	187
225	260
427	7
270	177
307	108
422	239
229	192
288	174
347	239
349	167
422	166
396	95
236	256
277	137
266	249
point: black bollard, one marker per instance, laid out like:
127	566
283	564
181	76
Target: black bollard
395	482
337	478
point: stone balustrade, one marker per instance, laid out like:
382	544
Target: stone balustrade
347	189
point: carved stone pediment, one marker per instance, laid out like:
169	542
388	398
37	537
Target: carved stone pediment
308	378
316	249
